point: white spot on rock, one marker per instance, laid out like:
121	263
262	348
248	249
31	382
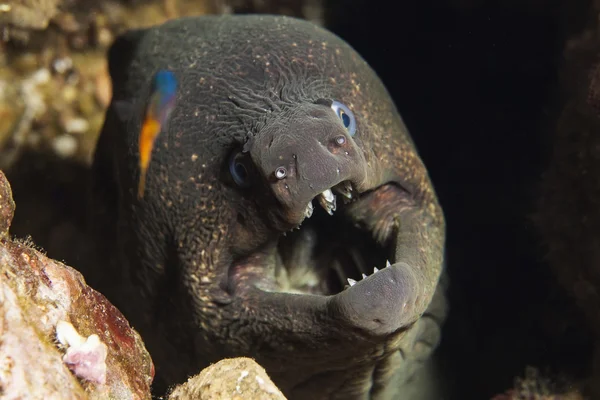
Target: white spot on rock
85	357
243	374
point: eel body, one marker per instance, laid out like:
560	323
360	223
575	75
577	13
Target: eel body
286	215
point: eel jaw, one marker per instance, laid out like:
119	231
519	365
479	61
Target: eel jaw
376	305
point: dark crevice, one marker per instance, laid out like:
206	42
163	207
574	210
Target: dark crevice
476	82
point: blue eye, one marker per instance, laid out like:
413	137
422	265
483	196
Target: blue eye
345	115
239	170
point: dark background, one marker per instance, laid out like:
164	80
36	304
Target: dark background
477	84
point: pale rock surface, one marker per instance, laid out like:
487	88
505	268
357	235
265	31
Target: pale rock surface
229	379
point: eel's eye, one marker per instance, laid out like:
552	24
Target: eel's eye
239	170
280	173
345	115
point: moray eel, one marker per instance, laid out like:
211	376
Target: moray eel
286	214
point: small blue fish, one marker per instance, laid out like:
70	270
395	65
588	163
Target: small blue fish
162	102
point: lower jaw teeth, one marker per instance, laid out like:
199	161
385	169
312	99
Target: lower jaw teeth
353	282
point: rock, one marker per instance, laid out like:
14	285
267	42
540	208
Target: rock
232	378
29	94
7	206
535	386
30	14
11	109
59	338
103	88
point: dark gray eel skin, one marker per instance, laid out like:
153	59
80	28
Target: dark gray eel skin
210	263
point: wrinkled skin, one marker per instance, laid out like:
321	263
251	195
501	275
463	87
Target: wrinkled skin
201	265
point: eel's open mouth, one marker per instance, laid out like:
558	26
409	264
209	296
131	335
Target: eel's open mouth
324	254
328	252
334	269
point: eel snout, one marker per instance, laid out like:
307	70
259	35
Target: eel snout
308	156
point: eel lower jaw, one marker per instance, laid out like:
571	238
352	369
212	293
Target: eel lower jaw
374	307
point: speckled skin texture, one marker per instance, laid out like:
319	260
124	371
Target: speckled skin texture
194	256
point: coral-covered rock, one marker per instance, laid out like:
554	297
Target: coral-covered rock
32	14
7	206
59	338
535	386
232	378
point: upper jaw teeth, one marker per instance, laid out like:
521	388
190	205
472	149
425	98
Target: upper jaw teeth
309	210
345	189
327	201
353	282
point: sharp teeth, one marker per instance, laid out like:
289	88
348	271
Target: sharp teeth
309	210
348	189
327	201
345	189
328	196
352	282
